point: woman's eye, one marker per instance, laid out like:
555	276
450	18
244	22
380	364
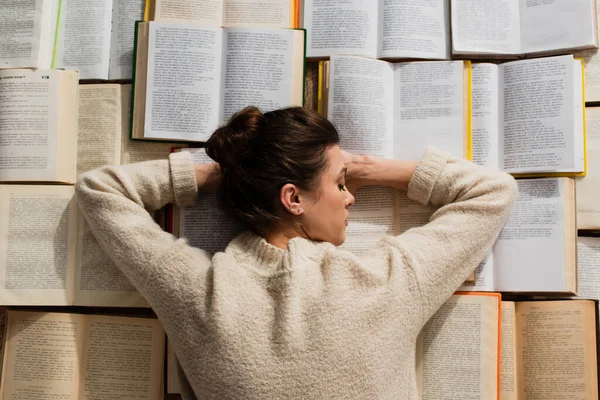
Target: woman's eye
342	187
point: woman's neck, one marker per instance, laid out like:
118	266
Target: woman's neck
280	236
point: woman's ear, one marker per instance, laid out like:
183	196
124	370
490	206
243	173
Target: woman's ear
290	199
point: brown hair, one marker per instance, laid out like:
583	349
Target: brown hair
260	153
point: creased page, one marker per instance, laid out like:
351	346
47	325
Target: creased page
259	66
588	187
28	125
588	268
486	26
557	350
557	25
459	346
124	15
258	13
341	27
361	104
537	115
508	353
529	254
123	358
428	108
42	356
84	37
485	115
21	33
414	29
205	12
184	77
37	244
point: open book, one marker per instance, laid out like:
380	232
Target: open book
76	356
588	187
38	125
190	79
549	350
258	13
378	29
396	110
458	350
518	27
529	116
94	37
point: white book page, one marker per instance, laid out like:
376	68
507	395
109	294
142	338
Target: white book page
591	60
588	268
414	29
184	77
409	213
579	150
341	27
205	12
259	69
21	27
536	108
485	117
84	37
486	26
29	126
360	104
258	13
588	187
37	244
557	25
529	255
124	15
428	108
484	276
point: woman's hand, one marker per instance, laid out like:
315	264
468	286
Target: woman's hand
369	170
208	177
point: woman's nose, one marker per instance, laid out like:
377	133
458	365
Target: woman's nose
349	199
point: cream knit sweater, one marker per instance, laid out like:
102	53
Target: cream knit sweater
310	321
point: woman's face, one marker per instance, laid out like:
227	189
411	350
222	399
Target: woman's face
325	214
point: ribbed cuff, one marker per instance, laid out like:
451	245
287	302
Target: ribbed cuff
183	176
426	175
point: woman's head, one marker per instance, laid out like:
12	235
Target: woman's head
283	170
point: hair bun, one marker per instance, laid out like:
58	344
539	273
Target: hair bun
231	143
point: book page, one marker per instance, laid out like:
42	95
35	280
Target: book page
202	12
184	78
409	213
485	115
124	15
3	317
537	117
533	236
21	29
122	358
29	125
37	244
508	353
483	276
557	25
486	26
592	74
409	29
360	104
459	350
557	350
41	356
336	27
588	268
173	375
429	108
260	70
588	187
258	13
84	37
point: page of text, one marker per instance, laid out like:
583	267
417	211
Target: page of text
485	115
486	26
591	61
429	108
508	353
409	29
484	276
588	187
536	111
588	268
203	12
258	13
533	236
361	104
84	37
184	76
341	27
21	33
124	15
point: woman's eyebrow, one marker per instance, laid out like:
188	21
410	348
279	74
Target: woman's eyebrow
343	171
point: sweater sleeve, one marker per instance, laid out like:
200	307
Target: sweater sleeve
473	202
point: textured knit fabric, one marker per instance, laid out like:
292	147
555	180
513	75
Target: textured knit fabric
308	322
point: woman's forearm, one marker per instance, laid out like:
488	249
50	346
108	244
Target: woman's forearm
367	170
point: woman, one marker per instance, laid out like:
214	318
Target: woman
283	313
